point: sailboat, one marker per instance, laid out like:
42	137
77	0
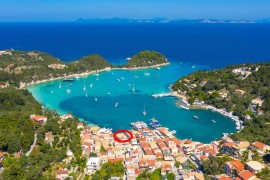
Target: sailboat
68	91
60	85
146	73
91	85
96	74
86	94
144	112
157	75
133	89
84	88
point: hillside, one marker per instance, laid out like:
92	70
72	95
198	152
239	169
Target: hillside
146	58
31	66
243	89
28	66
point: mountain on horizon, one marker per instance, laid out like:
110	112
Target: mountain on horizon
164	20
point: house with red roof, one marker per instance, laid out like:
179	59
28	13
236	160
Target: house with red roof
143	164
166	168
260	147
246	175
233	166
61	174
38	118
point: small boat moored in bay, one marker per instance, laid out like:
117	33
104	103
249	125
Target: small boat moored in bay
153	123
68	80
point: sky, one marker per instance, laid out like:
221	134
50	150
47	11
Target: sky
70	10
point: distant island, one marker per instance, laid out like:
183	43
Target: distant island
21	68
165	20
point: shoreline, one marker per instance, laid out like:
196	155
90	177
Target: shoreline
84	74
238	122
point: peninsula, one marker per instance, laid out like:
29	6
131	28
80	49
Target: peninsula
22	68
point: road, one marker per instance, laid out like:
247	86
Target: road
32	146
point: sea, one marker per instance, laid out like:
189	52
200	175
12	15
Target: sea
189	47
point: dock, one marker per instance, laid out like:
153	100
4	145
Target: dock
163	95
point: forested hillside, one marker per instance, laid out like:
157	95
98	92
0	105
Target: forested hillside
242	89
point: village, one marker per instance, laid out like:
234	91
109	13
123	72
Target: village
150	149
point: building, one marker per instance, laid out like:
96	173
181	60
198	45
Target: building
239	147
93	164
38	118
233	166
254	166
61	174
246	175
259	147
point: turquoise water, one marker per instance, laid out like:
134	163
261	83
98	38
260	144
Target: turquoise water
108	90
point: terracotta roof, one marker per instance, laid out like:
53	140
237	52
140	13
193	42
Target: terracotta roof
188	141
203	157
258	145
86	144
149	152
228	144
61	171
159	154
143	163
237	165
246	175
145	145
225	178
136	171
167	167
177	141
151	162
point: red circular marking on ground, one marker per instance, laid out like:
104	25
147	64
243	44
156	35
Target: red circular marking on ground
123	131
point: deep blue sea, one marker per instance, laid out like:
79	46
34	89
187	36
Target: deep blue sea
215	45
205	46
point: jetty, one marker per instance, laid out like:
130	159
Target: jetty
163	95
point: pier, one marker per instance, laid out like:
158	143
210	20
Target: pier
163	95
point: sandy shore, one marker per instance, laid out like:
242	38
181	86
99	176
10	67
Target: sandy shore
184	99
24	85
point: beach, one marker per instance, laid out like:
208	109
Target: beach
24	85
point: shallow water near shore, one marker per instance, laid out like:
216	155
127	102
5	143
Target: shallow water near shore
116	87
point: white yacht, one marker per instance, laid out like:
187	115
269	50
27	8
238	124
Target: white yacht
144	112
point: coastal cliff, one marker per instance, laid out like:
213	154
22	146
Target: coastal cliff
242	90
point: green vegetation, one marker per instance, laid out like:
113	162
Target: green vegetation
264	174
215	165
28	66
17	135
109	170
234	88
146	58
16	128
23	66
257	129
155	175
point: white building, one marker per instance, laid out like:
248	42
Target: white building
93	164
